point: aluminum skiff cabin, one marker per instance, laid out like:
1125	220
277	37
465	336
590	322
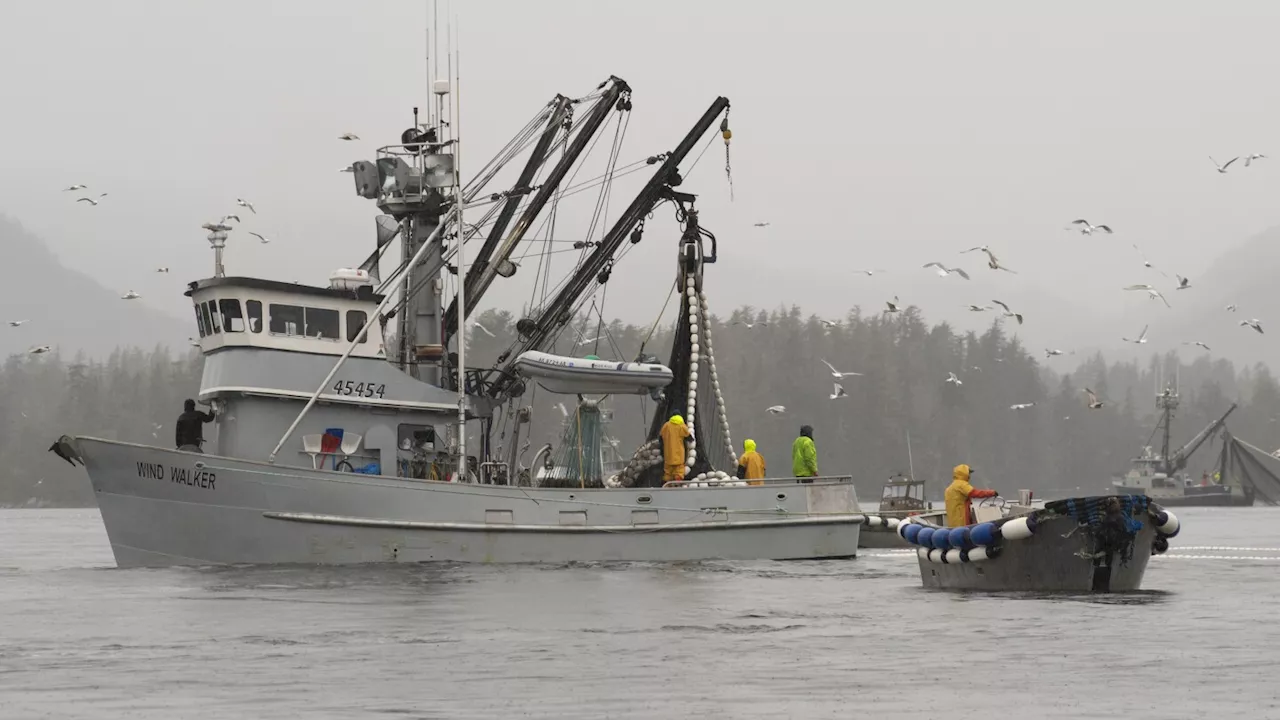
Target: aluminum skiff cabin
267	347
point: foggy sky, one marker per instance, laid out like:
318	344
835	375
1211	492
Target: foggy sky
869	134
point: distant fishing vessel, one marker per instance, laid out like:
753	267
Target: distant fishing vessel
1162	476
372	461
901	497
1090	544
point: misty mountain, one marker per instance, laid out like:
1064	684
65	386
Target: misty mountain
71	311
1243	276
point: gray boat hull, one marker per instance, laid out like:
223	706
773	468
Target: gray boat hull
1054	559
166	507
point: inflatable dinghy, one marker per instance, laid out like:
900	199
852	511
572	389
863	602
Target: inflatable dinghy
589	376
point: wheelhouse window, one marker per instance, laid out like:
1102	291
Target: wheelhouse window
355	321
204	315
285	319
232	320
200	320
213	315
322	323
254	309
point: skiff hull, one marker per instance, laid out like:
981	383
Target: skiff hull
166	507
1045	552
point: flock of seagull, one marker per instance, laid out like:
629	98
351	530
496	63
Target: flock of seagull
223	224
941	269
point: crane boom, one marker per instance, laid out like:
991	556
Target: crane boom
481	276
557	313
1179	459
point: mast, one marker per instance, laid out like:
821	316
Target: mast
1167	402
464	467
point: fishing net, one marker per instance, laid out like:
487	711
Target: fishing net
1252	470
579	459
695	384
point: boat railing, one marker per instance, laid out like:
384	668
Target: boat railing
737	482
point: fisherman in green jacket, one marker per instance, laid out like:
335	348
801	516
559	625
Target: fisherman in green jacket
804	456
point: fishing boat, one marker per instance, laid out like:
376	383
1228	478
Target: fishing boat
901	497
1089	544
341	441
1162	476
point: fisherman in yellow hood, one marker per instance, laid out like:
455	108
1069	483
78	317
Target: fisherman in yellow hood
959	510
751	464
673	434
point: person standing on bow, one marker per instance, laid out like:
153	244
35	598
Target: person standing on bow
751	464
673	434
804	455
189	429
958	494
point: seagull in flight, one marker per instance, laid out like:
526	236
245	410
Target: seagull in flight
1008	312
828	324
776	409
1142	338
230	217
216	227
1183	283
193	342
1253	324
868	273
75	187
1248	159
893	306
162	269
1093	402
951	378
840	375
39	350
1050	353
246	204
1152	293
748	325
1223	168
582	340
1197	342
760	224
18	323
483	329
131	295
1232	307
978	308
92	201
1022	406
944	271
1086	228
838	392
349	168
563	410
992	261
348	136
261	238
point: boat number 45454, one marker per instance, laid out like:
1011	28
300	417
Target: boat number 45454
359	389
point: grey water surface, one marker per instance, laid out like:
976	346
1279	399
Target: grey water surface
835	639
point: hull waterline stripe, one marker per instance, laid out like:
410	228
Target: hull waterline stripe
570	529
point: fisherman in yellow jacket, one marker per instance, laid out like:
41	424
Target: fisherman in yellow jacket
958	494
751	464
673	435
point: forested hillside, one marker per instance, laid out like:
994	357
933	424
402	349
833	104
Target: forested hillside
1054	446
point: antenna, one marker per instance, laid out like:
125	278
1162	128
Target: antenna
911	466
